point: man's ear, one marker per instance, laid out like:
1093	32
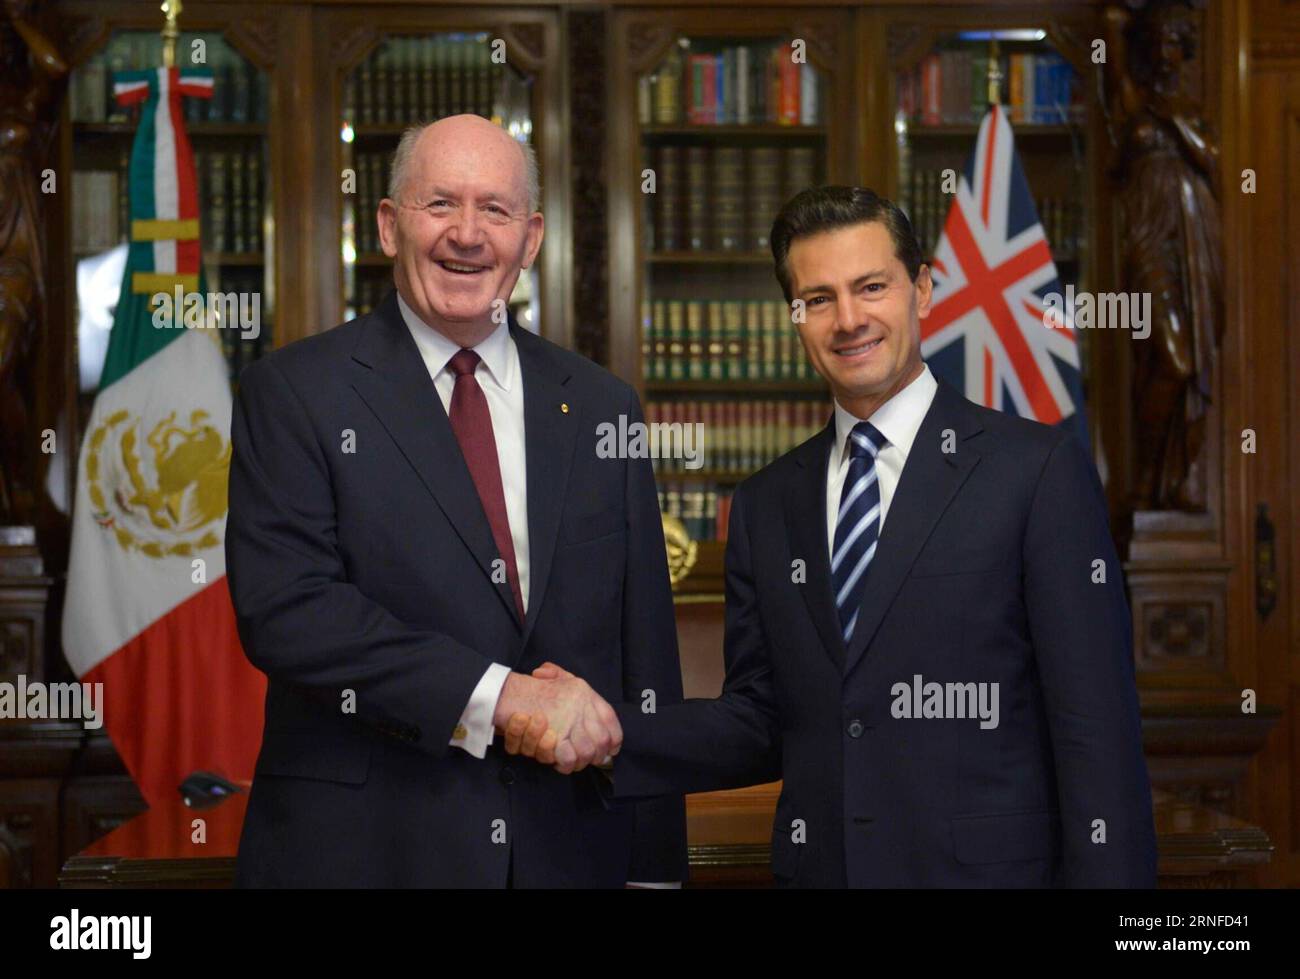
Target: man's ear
387	218
533	238
924	292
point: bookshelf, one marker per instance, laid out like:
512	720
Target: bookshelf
727	126
230	141
937	94
940	101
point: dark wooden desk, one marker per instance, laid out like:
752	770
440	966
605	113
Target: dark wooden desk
157	849
729	833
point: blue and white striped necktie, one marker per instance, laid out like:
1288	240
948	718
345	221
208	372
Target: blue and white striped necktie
857	527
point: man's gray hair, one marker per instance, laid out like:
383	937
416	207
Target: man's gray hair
406	147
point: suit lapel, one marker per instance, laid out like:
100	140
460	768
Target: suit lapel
550	434
397	387
930	480
805	520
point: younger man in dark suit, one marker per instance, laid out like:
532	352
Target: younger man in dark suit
927	636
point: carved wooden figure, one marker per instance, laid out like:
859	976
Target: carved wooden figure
30	69
1171	246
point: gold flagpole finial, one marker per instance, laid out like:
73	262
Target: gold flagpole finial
995	73
172	10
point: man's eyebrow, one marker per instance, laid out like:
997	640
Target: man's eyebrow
860	280
436	191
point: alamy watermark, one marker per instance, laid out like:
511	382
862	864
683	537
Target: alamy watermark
181	310
53	701
657	440
1099	311
102	932
959	701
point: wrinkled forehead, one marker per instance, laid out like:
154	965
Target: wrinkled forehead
475	167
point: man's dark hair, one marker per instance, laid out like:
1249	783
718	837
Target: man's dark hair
821	209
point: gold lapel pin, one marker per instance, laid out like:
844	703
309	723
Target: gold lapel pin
564	407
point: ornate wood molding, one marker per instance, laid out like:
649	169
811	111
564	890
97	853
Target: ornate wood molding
82	37
647	43
905	43
258	39
822	44
525	44
349	47
15	851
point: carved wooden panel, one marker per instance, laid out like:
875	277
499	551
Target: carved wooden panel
1179	621
822	44
526	44
93	807
29	831
22	629
1179	629
257	38
647	43
15	850
348	47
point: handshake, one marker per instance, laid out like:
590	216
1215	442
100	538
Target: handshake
557	719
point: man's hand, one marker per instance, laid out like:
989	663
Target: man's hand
556	718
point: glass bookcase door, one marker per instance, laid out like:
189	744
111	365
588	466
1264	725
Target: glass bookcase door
729	129
940	103
941	100
229	138
408	80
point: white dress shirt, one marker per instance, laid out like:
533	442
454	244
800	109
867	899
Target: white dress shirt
898	420
499	376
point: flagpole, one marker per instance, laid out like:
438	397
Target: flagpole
170	31
994	73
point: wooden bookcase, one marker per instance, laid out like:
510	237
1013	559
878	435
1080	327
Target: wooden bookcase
712	128
1063	150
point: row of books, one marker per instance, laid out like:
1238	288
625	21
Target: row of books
371	187
927	207
416	78
231	189
720	340
951	88
100	210
371	287
230	204
241	350
239	94
741	85
704	512
722	198
737	437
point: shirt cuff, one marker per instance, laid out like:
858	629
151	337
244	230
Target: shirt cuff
474	730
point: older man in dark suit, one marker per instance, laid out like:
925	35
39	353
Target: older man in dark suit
417	519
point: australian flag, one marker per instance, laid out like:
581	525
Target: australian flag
986	332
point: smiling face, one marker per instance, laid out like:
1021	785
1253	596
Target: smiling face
863	314
460	229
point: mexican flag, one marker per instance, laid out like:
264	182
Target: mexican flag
148	611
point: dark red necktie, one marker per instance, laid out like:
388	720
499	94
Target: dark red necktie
472	423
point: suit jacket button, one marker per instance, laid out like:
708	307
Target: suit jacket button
855	728
508	775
